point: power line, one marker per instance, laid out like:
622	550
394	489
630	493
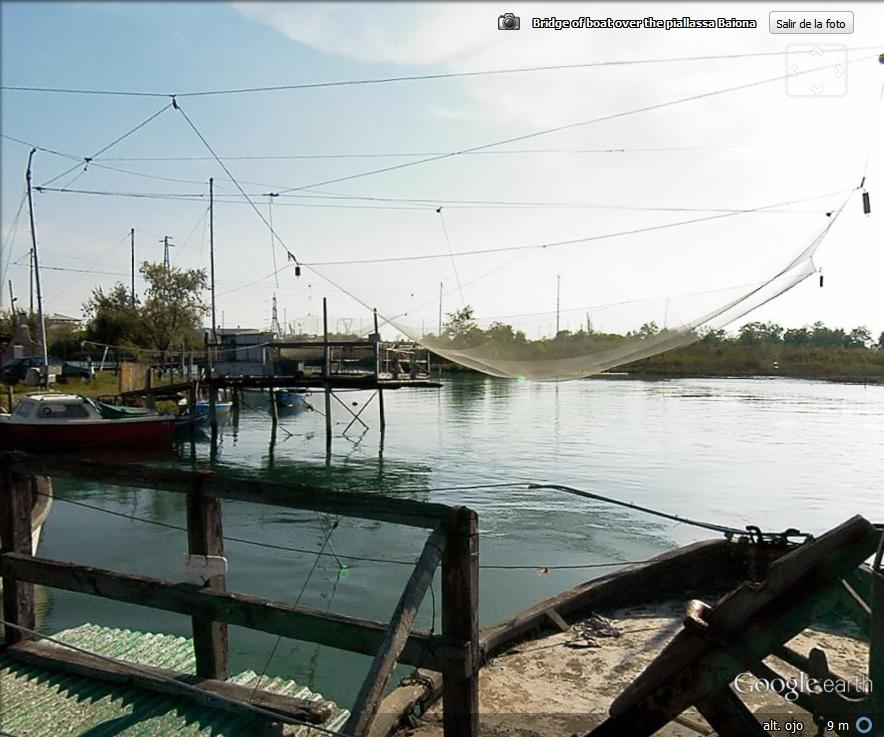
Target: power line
570	126
403	78
412	154
554	244
88	159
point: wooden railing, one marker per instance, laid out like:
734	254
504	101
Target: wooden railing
453	542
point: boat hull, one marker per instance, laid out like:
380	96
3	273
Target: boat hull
63	436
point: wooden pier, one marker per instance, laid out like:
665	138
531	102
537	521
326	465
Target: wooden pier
324	365
453	544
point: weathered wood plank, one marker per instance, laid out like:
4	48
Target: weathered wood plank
297	622
557	620
218	694
16	505
205	537
368	700
666	575
818	566
729	716
460	620
259	491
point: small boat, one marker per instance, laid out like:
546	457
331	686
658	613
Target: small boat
294	399
53	421
222	409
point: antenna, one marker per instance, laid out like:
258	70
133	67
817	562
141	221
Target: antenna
166	247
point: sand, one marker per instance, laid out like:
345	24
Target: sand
548	687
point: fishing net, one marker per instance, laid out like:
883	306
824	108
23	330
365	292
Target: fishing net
570	308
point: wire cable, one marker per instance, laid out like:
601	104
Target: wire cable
451	254
405	78
88	159
235	182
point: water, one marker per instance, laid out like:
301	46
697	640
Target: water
774	453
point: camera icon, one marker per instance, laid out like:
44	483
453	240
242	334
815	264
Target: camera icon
508	22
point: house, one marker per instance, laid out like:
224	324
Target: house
57	320
241	351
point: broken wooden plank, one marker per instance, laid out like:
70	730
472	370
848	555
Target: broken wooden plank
16	505
368	700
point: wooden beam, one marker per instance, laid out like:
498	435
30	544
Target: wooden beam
729	716
299	623
16	505
217	694
205	537
460	620
241	488
367	702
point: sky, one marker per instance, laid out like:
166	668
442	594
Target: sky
636	213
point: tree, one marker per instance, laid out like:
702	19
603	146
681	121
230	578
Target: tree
760	333
860	337
881	340
112	317
460	324
173	306
648	329
797	337
504	333
714	336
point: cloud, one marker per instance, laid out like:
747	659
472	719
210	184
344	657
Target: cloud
401	33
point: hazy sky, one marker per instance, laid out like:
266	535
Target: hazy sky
694	160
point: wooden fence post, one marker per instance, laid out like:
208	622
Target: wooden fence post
16	504
204	537
460	620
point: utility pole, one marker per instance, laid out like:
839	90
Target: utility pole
166	247
212	254
31	281
44	373
558	302
11	298
440	309
132	244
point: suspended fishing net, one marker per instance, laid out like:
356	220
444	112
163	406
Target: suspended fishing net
569	308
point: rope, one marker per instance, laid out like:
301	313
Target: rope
639	508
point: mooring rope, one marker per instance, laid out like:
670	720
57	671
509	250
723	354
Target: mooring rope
637	507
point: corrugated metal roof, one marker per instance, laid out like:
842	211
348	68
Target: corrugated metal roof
38	702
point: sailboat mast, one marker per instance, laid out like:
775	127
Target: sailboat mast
36	261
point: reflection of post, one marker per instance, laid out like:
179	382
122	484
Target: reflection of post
326	376
211	389
377	363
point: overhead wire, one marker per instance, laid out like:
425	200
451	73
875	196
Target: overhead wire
451	254
88	159
406	78
570	126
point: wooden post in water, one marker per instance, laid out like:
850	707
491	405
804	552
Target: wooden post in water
10	397
326	375
204	537
460	620
16	504
377	371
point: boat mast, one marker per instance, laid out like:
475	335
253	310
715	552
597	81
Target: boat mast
45	368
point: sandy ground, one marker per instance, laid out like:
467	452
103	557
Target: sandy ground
552	686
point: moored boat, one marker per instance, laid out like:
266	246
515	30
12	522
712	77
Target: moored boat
294	399
52	421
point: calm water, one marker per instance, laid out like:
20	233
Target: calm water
775	453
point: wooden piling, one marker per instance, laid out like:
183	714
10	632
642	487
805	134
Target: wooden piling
16	505
460	621
377	371
326	375
10	397
204	537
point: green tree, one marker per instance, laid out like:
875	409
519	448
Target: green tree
173	307
881	340
760	333
648	329
860	337
797	337
112	317
714	337
460	324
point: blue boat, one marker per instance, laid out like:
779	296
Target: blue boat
292	399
